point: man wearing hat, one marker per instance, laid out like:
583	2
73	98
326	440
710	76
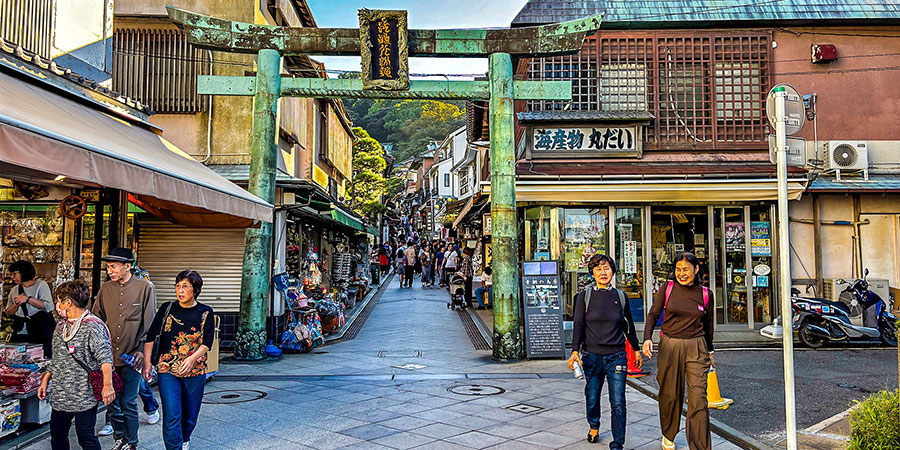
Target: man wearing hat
127	305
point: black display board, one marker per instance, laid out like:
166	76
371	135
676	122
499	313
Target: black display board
543	310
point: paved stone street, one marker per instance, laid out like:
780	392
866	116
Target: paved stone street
390	387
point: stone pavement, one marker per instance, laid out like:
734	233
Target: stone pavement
410	379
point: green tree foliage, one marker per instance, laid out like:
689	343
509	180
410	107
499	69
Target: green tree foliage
368	184
409	124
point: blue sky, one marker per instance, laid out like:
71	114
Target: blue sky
422	14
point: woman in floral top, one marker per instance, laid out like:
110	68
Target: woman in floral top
186	331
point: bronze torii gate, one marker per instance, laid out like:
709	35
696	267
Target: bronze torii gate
271	42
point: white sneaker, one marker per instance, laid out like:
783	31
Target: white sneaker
667	444
153	417
106	430
186	445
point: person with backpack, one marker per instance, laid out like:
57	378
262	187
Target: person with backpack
685	352
602	323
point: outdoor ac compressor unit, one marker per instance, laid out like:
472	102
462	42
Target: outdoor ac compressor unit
833	291
847	156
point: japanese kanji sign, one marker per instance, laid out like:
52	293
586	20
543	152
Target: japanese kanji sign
384	51
595	141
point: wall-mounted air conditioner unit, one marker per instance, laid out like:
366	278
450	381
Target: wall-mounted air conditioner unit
847	156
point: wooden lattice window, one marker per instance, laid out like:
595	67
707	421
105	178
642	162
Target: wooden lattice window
159	68
580	68
704	88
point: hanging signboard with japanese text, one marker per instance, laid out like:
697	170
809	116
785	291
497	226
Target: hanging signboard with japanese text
589	142
384	51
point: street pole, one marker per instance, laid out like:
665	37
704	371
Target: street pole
250	339
784	262
505	263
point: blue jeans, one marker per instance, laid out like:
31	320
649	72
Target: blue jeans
614	368
479	294
181	399
123	410
146	393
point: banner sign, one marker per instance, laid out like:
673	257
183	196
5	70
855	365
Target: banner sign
590	142
384	51
760	239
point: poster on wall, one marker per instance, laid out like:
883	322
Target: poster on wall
626	232
734	236
629	256
760	239
543	310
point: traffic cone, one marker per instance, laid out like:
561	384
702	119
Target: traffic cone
713	396
633	370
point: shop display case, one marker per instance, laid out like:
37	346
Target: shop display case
32	233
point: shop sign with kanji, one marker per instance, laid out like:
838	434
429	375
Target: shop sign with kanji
383	47
589	142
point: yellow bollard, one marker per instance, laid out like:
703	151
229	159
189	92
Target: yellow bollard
713	396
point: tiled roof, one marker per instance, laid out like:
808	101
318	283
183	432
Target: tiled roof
583	116
882	183
704	13
9	49
241	172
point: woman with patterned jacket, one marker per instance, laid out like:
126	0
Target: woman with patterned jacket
186	330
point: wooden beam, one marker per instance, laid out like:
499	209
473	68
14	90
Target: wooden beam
240	37
419	89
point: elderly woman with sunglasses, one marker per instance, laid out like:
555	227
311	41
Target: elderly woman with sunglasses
184	331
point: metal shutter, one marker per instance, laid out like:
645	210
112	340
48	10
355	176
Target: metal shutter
165	249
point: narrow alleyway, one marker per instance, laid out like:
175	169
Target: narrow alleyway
411	379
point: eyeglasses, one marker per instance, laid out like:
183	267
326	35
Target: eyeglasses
184	286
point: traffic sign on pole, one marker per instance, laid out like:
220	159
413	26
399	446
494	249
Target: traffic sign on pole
794	110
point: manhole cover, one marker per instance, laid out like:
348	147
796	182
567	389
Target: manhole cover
238	396
523	408
475	389
410	366
400	354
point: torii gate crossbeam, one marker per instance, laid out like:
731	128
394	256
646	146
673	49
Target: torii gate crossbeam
271	42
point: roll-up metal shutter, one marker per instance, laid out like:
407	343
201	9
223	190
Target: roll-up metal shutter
216	254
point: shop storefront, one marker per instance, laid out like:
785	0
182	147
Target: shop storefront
734	244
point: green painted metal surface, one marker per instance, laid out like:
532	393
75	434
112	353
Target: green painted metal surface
505	261
420	89
250	339
211	33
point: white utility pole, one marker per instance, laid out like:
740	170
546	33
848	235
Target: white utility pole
784	259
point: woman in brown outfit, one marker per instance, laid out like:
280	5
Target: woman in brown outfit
685	352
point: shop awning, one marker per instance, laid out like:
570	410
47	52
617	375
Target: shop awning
881	183
346	218
685	190
473	201
47	132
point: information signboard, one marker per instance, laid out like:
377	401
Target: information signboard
383	48
543	310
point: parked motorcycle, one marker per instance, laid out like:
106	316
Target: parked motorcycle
861	316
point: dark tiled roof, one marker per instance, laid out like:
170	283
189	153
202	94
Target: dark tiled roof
857	183
584	116
241	172
704	13
12	50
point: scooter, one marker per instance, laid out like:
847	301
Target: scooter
860	316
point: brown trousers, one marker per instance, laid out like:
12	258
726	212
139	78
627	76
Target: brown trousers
680	361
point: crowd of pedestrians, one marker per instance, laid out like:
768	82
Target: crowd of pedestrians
108	351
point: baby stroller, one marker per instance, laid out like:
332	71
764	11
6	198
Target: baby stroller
457	292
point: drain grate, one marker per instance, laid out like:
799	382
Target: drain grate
236	396
476	389
472	330
400	354
523	408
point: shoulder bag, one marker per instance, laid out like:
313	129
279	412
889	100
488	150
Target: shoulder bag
154	354
95	379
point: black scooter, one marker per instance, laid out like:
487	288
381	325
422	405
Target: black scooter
861	315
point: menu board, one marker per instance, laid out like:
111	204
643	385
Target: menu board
543	310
